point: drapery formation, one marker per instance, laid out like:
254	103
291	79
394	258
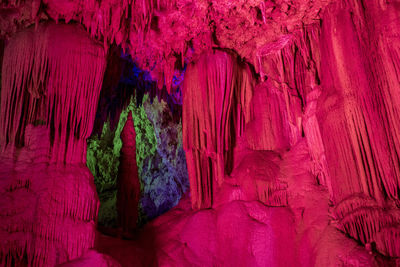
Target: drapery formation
319	83
336	84
358	113
51	76
51	80
216	101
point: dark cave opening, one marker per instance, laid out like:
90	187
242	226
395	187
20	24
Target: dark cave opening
129	91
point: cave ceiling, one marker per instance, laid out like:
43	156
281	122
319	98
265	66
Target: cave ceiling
164	35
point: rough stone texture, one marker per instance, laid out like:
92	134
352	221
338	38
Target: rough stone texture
240	231
357	114
165	177
93	258
48	211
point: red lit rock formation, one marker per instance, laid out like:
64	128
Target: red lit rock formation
217	94
268	115
240	231
357	114
93	258
51	76
51	79
256	177
128	180
163	33
48	212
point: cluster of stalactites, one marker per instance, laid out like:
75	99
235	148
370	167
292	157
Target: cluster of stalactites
51	76
126	23
216	103
132	33
358	113
285	105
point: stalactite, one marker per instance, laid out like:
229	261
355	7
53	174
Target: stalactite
353	202
169	73
314	140
344	104
272	193
363	223
51	79
39	84
217	91
286	104
364	219
291	66
387	240
356	114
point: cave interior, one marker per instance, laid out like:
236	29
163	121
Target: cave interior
200	133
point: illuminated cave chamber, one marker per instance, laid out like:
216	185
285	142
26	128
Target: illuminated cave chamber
258	133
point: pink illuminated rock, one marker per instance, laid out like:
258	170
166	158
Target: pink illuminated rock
239	231
51	76
51	80
235	234
269	116
217	93
357	117
255	178
48	212
161	34
92	258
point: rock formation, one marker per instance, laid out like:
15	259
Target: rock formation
128	180
217	92
49	204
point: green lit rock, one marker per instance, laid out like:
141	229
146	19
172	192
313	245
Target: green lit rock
160	158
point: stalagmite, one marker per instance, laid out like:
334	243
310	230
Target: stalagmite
128	194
